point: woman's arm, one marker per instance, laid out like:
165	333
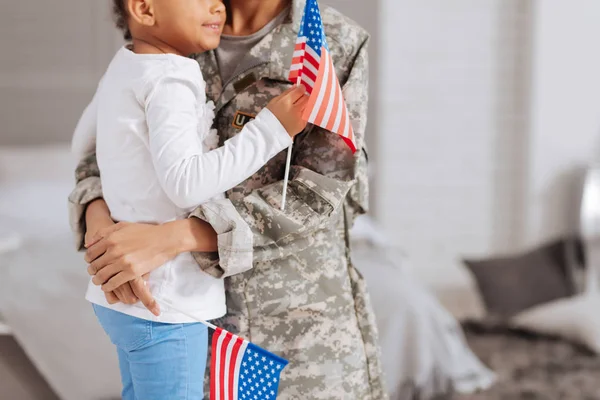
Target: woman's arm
126	251
130	251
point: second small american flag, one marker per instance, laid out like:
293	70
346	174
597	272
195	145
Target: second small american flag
312	66
241	370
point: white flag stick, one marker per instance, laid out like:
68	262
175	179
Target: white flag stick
288	163
287	176
168	304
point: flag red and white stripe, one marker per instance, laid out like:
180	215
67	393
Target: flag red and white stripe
240	370
227	354
313	67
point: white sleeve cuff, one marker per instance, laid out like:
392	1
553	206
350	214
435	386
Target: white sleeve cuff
274	128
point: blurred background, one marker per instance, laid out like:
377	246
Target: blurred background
484	129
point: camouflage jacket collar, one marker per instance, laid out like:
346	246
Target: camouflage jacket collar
269	59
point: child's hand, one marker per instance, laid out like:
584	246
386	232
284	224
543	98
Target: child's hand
288	107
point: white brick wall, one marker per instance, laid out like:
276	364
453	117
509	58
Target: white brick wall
450	117
565	105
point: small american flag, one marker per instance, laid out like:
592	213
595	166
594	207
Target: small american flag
241	370
312	66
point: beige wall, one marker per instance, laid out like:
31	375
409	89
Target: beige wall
52	54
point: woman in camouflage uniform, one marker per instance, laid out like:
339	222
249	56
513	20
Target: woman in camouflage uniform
303	299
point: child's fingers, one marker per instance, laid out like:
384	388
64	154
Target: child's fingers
143	293
288	91
297	93
302	102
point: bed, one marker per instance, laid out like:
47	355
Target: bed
425	355
42	288
533	367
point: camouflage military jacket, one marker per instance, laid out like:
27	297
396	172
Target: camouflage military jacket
303	299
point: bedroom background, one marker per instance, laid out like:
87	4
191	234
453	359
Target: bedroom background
483	118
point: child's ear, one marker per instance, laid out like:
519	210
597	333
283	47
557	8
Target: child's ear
142	11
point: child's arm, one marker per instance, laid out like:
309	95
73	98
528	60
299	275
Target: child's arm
188	175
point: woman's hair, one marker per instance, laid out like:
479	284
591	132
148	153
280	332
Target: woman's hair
121	17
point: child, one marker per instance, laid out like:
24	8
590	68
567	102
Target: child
153	125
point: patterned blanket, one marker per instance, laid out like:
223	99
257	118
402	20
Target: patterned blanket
533	367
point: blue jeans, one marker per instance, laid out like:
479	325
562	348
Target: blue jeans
158	361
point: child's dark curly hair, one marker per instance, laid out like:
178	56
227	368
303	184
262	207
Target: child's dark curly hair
121	17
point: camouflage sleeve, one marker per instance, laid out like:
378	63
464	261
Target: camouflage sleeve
233	234
234	239
323	179
87	189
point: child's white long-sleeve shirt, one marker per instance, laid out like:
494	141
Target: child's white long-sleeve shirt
154	146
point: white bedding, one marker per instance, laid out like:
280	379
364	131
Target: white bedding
41	290
424	351
41	296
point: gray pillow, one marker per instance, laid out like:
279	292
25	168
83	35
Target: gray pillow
511	284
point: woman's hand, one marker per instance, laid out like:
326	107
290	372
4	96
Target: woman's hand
125	252
98	220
